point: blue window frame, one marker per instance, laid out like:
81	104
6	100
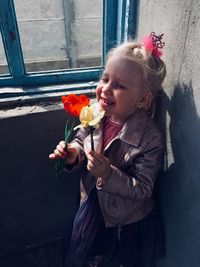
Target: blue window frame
119	22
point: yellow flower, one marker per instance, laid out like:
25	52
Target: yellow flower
90	116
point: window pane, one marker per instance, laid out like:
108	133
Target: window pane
60	34
3	62
88	31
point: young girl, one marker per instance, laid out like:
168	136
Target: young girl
127	157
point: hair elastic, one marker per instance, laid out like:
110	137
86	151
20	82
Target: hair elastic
153	43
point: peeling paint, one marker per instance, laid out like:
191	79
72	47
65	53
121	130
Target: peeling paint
12	36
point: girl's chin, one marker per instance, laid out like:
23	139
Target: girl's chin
106	108
102	106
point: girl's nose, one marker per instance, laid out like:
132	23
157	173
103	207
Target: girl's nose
107	88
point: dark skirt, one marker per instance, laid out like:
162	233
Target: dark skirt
137	244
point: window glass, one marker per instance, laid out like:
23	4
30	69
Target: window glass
88	31
60	34
3	61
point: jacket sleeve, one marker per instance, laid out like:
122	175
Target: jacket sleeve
138	181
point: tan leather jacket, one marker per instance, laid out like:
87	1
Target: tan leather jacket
135	155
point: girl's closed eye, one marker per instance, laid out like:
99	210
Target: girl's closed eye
121	86
105	78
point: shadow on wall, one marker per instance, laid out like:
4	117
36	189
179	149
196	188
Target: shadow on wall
179	186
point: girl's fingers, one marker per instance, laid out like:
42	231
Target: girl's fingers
62	144
58	153
52	156
98	156
90	165
94	167
91	168
98	164
60	149
55	155
71	149
70	153
95	161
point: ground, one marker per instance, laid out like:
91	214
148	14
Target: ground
47	255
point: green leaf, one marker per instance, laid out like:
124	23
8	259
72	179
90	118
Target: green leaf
68	130
59	167
60	163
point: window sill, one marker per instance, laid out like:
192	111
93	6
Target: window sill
12	97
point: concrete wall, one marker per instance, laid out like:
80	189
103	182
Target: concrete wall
35	207
180	185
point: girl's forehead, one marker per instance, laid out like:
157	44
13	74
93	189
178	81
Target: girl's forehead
121	62
122	66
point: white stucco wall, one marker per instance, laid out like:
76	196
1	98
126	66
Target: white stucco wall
179	20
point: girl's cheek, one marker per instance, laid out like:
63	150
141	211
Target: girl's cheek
98	92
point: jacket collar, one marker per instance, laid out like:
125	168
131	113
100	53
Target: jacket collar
134	127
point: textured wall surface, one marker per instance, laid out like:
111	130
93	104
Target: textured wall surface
180	185
34	206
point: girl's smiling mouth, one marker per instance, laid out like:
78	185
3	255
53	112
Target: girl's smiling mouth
106	101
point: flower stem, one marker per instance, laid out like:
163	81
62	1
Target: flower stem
92	140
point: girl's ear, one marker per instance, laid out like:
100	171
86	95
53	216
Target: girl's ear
146	100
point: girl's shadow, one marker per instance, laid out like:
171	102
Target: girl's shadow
179	184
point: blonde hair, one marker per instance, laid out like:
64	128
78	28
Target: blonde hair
153	68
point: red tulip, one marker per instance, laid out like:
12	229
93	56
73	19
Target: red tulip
73	103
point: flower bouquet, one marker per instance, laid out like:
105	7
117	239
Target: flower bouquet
89	115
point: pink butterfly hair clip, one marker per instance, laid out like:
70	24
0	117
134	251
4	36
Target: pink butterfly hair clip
154	44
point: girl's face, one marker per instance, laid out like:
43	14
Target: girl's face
119	91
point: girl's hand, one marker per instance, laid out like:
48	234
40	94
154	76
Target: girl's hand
61	152
98	165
